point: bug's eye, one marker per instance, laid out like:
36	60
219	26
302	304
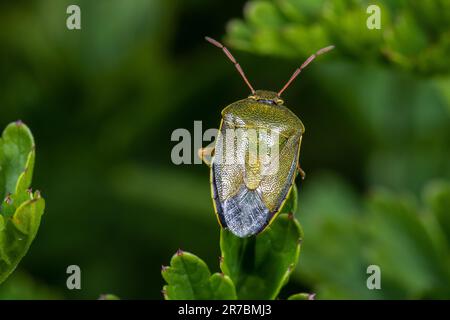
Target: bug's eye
279	101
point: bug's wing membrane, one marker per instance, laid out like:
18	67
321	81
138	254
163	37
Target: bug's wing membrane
246	198
228	173
278	177
239	208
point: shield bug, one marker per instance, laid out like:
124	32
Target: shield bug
255	157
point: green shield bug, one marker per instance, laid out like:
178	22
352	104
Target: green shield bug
252	172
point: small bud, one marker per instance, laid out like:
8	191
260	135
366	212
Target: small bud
290	216
312	296
220	259
164	268
179	252
8	199
19	123
290	268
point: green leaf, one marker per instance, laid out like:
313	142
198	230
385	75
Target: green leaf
18	233
241	34
222	288
306	40
437	196
188	278
301	10
21	211
16	159
400	241
302	296
412	36
405	41
290	206
261	265
443	84
108	296
21	286
263	14
330	212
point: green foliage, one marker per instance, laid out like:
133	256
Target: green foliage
21	211
259	266
414	34
188	278
256	267
437	196
301	296
22	286
406	240
108	296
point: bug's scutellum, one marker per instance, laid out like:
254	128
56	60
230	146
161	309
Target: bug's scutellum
241	72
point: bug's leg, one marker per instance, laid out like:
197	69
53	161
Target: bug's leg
300	170
206	155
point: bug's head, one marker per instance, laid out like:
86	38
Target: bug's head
267	97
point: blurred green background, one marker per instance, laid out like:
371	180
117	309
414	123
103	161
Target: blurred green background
103	101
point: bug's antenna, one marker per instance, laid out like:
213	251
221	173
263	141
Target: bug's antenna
230	56
303	66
